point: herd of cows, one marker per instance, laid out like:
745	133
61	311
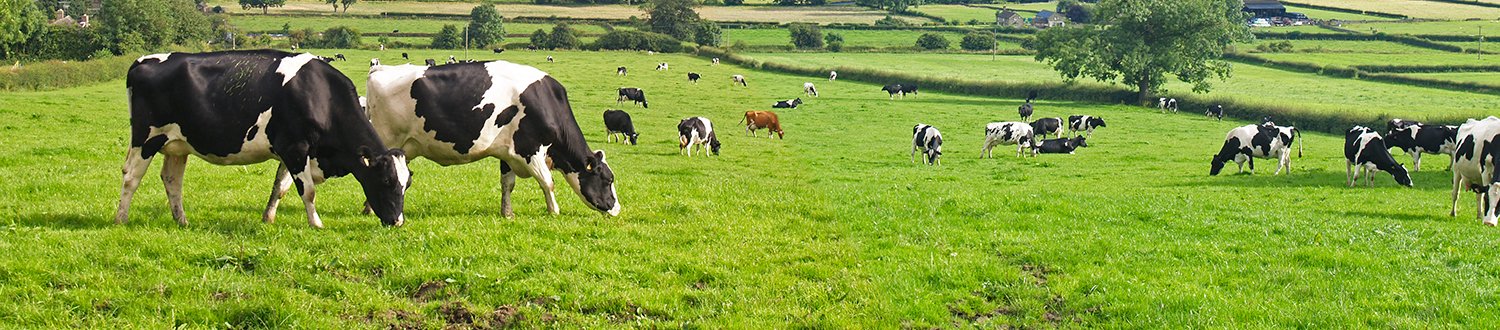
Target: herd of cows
245	107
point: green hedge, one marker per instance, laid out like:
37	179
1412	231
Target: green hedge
636	40
51	75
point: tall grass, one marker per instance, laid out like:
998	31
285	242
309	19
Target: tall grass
52	75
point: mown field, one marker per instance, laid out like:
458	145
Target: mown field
959	13
1353	59
832	227
1413	8
1345	46
863	38
1461	28
367	24
821	14
1338	15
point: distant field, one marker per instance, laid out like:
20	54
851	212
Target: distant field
1032	6
867	38
1290	28
1384	59
379	25
1489	78
960	13
1345	46
1413	8
1338	15
1463	28
820	14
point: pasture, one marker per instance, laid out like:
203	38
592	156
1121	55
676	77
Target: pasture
1345	47
821	14
1460	28
1353	59
832	227
366	24
961	14
1412	8
1322	14
861	38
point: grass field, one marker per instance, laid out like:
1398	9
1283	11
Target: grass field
1490	78
380	25
960	13
1346	46
1031	6
1351	59
1462	28
866	38
831	228
820	14
1338	15
1413	8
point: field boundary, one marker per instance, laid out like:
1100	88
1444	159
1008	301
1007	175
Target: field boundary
1386	74
1471	3
1346	10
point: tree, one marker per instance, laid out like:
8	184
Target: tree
978	40
932	41
448	38
708	34
540	39
264	5
485	26
1064	5
675	18
806	35
335	4
562	37
348	3
1139	42
340	37
19	20
1080	13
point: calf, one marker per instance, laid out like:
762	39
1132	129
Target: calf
464	113
1216	111
1060	145
1474	167
287	107
662	67
1417	138
756	120
697	131
833	75
618	122
929	141
807	88
1366	150
738	79
1047	126
1085	123
1007	133
635	95
693	77
1025	111
788	104
620	71
1245	143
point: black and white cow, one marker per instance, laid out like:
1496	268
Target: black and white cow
1031	96
635	95
716	61
1417	138
1007	133
809	89
550	59
618	122
662	67
431	62
738	79
1475	164
1167	104
788	104
247	107
374	61
1395	123
1365	152
1084	123
500	50
833	75
928	140
699	132
462	113
900	89
1216	111
620	71
693	77
405	56
1245	143
1047	126
1060	145
451	60
340	57
1025	111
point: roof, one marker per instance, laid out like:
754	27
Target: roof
1264	5
1006	15
1044	14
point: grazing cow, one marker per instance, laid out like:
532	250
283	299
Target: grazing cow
620	71
902	89
833	75
1060	145
451	60
1245	143
699	132
464	113
1030	96
531	47
327	59
1366	150
1474	167
662	67
1392	125
618	122
498	50
431	62
738	79
635	95
1025	111
788	104
716	61
1417	138
756	120
807	88
1047	126
284	106
550	60
1167	104
1085	123
340	57
929	141
1007	133
374	61
693	77
1216	111
405	56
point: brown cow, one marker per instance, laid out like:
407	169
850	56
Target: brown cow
756	120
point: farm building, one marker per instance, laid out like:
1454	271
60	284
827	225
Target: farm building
1265	8
1047	18
1009	18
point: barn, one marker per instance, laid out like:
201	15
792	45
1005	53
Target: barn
1265	8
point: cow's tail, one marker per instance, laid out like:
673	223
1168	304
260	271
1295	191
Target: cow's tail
1298	135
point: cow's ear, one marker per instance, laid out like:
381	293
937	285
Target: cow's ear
364	155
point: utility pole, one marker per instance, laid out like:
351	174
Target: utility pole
1479	52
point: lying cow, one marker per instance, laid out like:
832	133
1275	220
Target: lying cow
620	71
618	122
662	67
1060	145
635	95
1475	162
788	104
1084	123
807	88
693	77
738	79
929	141
1025	111
756	120
463	113
1417	138
1047	126
1216	112
1245	143
699	132
289	107
1365	152
1007	133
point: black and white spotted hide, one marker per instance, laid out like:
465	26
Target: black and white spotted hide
1025	111
620	71
1047	126
738	79
693	77
1084	123
1416	139
1216	112
1061	145
462	113
1245	143
929	141
697	132
1007	133
809	89
1474	167
1365	152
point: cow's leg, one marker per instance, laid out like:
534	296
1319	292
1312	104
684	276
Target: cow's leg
913	153
305	183
1349	173
172	170
135	167
279	187
1456	181
543	176
1416	160
1281	162
507	184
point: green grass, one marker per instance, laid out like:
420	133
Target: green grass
1461	28
960	13
1435	59
379	25
1345	47
1478	77
769	14
864	38
1338	15
831	228
1032	6
1412	8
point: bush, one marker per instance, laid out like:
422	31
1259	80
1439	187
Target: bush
562	37
890	21
806	36
836	46
637	40
978	41
448	38
339	37
932	41
1274	47
57	74
708	34
733	2
485	27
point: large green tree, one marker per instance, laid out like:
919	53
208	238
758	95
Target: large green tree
448	38
675	18
485	26
264	5
19	20
1140	42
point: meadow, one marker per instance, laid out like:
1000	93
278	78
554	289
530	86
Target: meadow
1355	59
1344	46
863	38
1412	8
821	14
1490	78
1459	28
1322	14
365	24
960	13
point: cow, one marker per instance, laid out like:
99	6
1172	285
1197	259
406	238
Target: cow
693	77
1245	143
1396	123
1475	161
929	141
738	79
463	113
618	122
1047	126
1060	145
498	50
1216	111
788	104
550	60
374	61
1167	104
756	120
1007	133
405	56
1084	123
901	89
635	95
1031	96
1365	151
809	89
716	61
327	59
833	75
1025	111
697	131
620	71
1417	138
662	67
340	57
288	107
431	62
531	47
451	60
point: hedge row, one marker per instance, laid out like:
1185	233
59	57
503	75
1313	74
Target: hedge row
1347	10
1381	73
51	75
1472	87
1471	3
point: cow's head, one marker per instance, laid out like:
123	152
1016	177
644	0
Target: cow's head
797	101
1217	164
1401	176
596	184
1079	141
1096	122
385	177
633	137
713	144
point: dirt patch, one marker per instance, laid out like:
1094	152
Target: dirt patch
504	316
455	312
396	319
428	290
1037	272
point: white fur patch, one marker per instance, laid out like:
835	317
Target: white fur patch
158	57
289	66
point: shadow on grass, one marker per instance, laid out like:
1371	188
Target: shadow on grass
1310	179
1434	214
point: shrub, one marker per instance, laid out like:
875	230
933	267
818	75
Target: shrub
340	37
806	36
57	74
836	46
562	37
708	34
890	21
448	38
978	41
733	2
637	40
485	27
932	41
